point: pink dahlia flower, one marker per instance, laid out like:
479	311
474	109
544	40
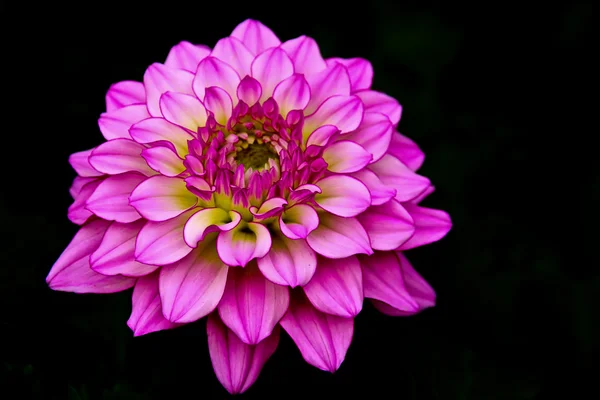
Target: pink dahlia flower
231	176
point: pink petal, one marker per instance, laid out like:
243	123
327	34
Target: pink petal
81	164
164	160
337	287
346	156
183	110
345	112
72	272
110	200
235	53
237	364
192	287
374	134
322	135
159	79
78	183
186	55
394	174
118	156
333	80
219	102
269	208
115	254
200	224
146	314
406	151
115	124
430	226
77	213
125	93
251	305
214	72
157	129
381	103
383	281
289	262
249	90
305	54
388	225
359	69
322	339
380	193
343	195
160	198
244	243
338	237
255	36
292	93
161	243
423	195
271	67
298	221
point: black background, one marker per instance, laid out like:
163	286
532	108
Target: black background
496	96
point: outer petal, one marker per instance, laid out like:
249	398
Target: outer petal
388	225
423	195
292	93
72	272
255	36
220	103
299	221
118	156
270	68
332	81
343	195
430	226
157	129
406	151
81	164
209	220
235	53
164	160
160	198
337	287
249	90
393	173
322	339
380	193
237	364
115	124
161	243
125	93
251	305
214	72
192	287
244	243
338	237
186	55
289	262
381	103
345	112
359	69
183	109
78	183
78	214
146	314
159	79
305	54
110	200
115	254
383	281
346	156
374	134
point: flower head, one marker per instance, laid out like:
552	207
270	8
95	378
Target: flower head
231	176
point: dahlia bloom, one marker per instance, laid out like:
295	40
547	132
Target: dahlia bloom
257	184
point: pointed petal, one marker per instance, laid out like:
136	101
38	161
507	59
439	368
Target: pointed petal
374	134
305	54
333	80
381	103
214	72
110	200
118	156
322	135
430	226
159	79
115	255
236	364
160	198
192	287
289	262
235	53
186	55
337	287
345	112
78	183
146	314
394	174
183	110
115	124
81	164
219	102
298	221
292	93
164	160
255	36
249	90
322	339
359	69
270	68
252	305
338	237
243	243
209	220
406	151
388	225
343	195
423	195
380	193
125	93
77	213
346	156
383	281
72	272
157	129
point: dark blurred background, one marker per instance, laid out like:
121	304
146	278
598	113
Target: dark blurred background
496	96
